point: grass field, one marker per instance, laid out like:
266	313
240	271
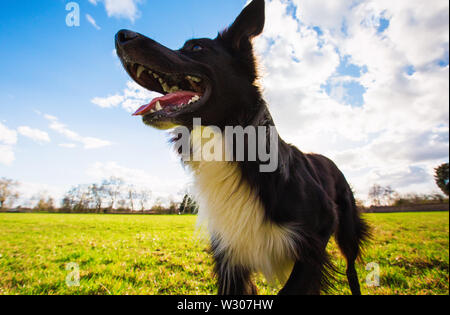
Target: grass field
162	255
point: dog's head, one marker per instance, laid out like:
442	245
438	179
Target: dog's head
209	79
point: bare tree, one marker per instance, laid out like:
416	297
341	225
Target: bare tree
132	195
81	198
44	203
380	195
67	203
96	192
376	194
158	205
174	208
389	195
70	199
122	203
144	196
112	188
8	194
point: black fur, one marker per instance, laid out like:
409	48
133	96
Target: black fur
307	192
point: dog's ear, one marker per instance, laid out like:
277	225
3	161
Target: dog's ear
249	24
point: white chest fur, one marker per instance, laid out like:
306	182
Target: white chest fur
233	213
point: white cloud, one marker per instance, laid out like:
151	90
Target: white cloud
8	139
401	131
326	14
30	192
108	102
127	9
34	134
6	154
50	117
68	145
132	97
165	188
7	136
87	142
92	21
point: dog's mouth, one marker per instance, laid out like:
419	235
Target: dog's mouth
182	92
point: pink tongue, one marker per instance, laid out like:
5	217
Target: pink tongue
172	99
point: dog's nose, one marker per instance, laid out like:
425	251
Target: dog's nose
125	36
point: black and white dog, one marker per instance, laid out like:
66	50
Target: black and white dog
278	223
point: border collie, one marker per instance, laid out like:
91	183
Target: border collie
277	223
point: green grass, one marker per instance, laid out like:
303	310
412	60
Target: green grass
163	255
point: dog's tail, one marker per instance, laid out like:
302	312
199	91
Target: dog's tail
352	233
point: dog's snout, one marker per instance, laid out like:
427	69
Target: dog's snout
125	36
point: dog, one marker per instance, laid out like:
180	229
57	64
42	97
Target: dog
277	223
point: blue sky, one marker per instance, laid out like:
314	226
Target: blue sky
333	95
49	68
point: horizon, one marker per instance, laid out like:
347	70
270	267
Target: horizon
366	85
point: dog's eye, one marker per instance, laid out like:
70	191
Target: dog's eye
197	48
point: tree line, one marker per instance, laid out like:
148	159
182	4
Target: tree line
111	195
387	196
115	195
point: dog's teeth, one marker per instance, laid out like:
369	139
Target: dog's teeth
194	79
165	87
158	106
139	71
194	82
174	89
155	76
152	111
194	99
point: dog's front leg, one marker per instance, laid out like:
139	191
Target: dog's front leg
310	274
304	280
233	280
